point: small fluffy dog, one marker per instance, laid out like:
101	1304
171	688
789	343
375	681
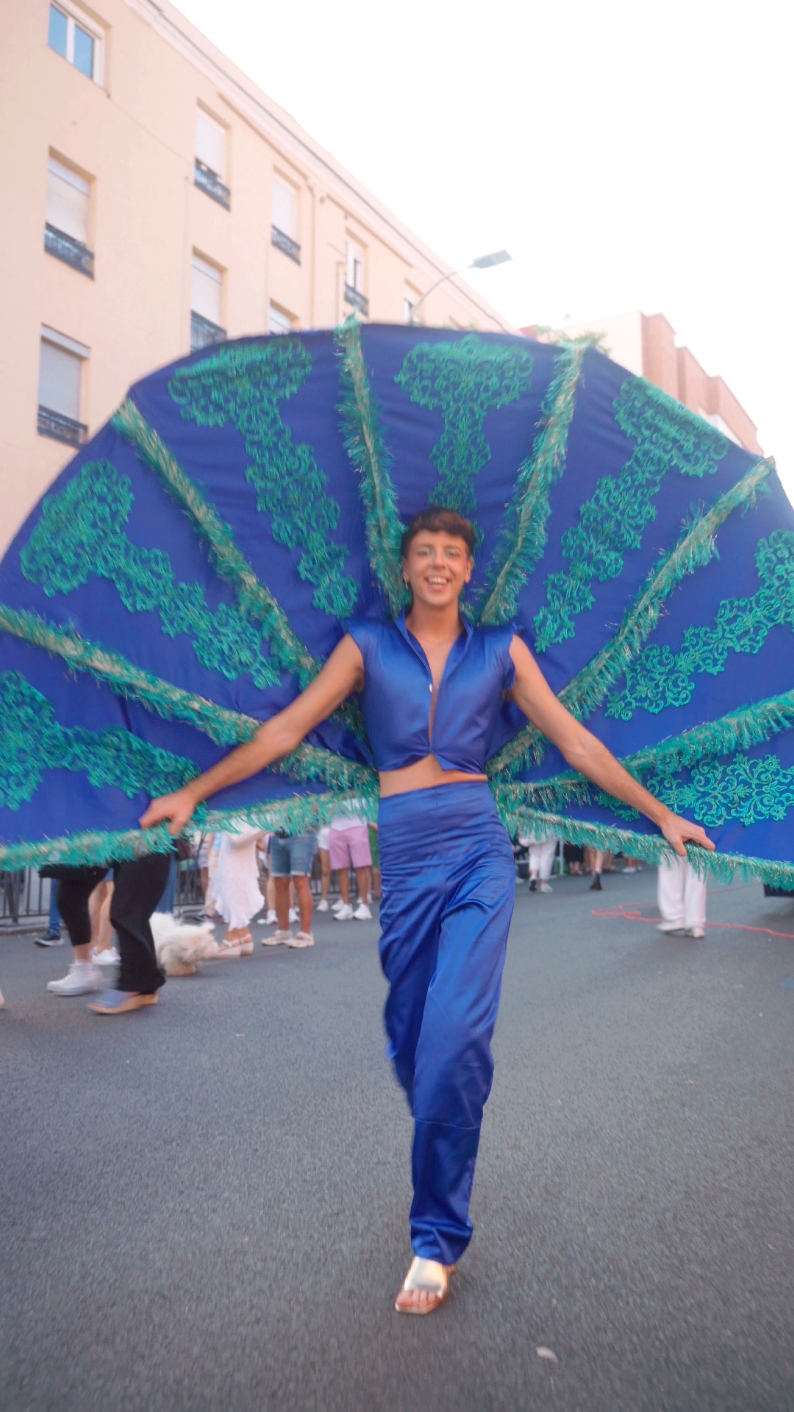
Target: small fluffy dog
181	947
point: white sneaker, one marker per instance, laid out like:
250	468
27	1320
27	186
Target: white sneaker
271	920
670	926
110	957
697	932
294	914
345	913
277	939
362	913
301	939
632	869
545	887
81	979
336	905
323	905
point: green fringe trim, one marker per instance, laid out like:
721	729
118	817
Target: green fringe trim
738	730
524	537
161	697
585	692
371	458
294	815
286	649
224	727
651	848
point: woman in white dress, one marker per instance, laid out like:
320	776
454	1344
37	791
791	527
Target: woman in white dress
235	886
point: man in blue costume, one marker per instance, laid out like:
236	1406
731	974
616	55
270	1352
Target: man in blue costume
431	689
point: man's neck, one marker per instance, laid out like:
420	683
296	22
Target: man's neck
443	624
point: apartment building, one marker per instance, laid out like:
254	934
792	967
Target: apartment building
157	201
646	345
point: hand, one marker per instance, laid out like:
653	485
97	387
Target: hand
679	831
177	807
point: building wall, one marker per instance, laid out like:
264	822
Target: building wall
645	344
133	135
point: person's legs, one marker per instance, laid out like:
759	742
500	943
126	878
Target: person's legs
693	900
598	859
341	860
670	893
139	886
305	902
449	886
301	851
325	872
74	890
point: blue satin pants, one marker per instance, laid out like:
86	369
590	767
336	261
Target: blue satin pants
448	891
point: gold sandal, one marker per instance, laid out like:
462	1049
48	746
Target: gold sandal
430	1276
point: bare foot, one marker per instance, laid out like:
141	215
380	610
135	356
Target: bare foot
426	1287
418	1301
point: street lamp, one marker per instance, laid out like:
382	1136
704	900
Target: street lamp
483	262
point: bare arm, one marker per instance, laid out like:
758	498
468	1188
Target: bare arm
586	754
342	674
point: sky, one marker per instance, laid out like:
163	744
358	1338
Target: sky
628	155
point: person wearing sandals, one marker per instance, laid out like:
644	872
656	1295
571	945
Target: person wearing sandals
235	883
432	689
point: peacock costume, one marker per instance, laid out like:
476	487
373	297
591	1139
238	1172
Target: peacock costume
193	566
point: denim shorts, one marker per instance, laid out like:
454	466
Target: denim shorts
292	856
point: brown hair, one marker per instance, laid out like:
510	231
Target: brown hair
439	521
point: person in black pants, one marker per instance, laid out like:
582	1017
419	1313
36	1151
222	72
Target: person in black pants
140	883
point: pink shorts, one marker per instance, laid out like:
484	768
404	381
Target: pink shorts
350	847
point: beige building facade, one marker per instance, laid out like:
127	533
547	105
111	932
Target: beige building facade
646	345
156	201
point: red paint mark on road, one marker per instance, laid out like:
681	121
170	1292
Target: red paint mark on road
622	911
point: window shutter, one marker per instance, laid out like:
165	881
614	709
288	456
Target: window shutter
285	209
67	201
211	144
59	380
206	290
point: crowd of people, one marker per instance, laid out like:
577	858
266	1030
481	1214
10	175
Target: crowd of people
249	871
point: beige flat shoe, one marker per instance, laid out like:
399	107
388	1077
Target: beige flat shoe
429	1277
228	950
246	944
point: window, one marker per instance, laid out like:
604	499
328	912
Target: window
354	277
284	229
210	169
76	40
60	387
66	229
410	300
206	301
279	321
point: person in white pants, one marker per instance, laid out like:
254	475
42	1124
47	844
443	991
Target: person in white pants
681	896
541	860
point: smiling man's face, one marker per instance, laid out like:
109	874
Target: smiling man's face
437	567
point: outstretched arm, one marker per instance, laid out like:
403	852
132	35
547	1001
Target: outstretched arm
586	754
342	674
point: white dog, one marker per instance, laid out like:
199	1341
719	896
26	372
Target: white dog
181	947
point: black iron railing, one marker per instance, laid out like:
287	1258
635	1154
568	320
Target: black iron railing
285	243
212	185
203	332
72	252
356	299
24	900
61	428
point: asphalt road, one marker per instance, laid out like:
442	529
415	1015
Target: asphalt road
204	1204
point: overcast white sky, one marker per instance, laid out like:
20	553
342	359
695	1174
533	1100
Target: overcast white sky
628	155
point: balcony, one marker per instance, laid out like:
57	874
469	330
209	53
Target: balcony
204	332
285	244
212	185
72	252
60	427
357	300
